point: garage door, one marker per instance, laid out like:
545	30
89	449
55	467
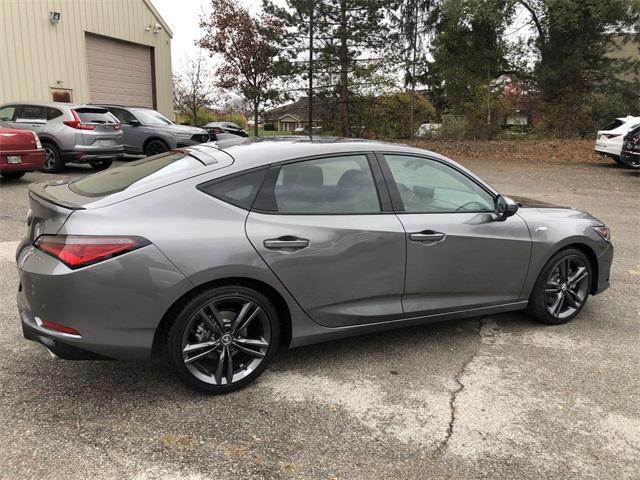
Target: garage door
119	72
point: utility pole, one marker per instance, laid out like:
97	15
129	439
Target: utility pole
311	69
413	71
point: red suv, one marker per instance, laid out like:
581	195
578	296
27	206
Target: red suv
20	152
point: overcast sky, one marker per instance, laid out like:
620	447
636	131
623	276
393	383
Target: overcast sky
183	16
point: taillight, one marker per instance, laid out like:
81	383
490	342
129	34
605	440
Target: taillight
77	251
37	139
57	327
77	123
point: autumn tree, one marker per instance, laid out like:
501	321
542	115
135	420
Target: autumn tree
247	51
193	88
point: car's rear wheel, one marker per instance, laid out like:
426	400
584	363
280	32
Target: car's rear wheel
101	165
52	160
223	338
12	175
562	288
155	147
617	159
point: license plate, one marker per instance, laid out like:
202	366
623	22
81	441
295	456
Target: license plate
107	143
14	159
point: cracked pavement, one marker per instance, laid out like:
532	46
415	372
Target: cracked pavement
492	397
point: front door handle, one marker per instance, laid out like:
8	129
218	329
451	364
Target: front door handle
287	243
427	236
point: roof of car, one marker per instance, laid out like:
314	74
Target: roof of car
263	151
256	152
45	104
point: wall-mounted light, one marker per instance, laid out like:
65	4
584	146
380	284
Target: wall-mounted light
54	17
153	27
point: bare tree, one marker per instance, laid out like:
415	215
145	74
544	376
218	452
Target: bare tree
193	88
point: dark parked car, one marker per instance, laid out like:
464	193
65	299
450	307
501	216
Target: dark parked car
148	132
216	254
630	155
20	152
228	127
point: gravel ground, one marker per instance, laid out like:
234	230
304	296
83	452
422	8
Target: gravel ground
492	397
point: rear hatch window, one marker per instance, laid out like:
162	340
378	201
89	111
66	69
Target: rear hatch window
133	174
95	115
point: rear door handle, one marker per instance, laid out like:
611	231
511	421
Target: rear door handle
427	236
287	243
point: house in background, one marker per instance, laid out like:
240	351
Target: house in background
86	51
294	115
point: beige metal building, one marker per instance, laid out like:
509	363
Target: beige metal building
81	51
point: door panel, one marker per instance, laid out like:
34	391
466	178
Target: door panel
342	269
478	262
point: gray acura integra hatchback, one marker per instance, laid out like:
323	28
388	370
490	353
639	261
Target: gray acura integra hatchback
213	255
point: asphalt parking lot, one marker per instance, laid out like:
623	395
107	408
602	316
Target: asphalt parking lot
492	397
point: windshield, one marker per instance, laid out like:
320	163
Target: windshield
150	117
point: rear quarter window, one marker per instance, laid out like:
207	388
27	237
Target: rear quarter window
239	190
133	174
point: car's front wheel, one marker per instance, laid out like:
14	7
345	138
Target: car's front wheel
155	147
562	288
223	338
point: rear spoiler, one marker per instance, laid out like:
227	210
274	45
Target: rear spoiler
58	193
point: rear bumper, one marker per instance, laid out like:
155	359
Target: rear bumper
31	160
89	154
115	305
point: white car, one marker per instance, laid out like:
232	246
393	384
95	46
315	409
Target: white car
609	139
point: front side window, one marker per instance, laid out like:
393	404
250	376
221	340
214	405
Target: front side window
427	186
6	113
123	116
335	185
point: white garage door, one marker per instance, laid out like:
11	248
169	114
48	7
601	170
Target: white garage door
119	72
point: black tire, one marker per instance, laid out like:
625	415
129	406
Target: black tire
544	295
53	162
12	175
155	147
101	165
188	325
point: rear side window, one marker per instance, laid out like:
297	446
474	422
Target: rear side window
239	190
94	115
31	112
133	174
329	186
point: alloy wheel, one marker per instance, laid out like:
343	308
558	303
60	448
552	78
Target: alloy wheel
155	147
226	340
49	158
567	287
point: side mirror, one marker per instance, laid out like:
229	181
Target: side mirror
134	123
505	208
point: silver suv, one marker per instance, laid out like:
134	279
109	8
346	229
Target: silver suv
69	133
149	132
